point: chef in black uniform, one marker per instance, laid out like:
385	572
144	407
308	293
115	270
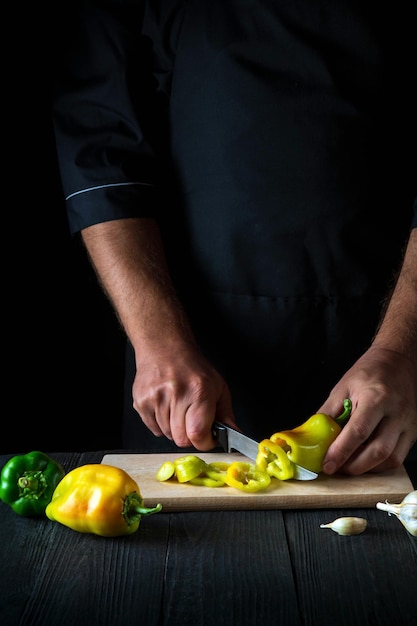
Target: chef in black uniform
243	175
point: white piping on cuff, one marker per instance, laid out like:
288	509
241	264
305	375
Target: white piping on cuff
76	193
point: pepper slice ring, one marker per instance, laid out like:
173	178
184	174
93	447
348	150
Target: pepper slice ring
247	477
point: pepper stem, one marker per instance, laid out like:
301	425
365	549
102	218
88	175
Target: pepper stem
145	511
133	508
28	482
32	484
347	406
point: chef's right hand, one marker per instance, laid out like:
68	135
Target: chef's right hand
179	394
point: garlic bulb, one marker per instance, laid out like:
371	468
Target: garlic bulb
406	511
347	525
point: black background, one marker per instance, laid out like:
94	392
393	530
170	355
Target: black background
63	347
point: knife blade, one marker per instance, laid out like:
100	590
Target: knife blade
231	439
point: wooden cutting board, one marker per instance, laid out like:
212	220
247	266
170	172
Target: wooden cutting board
323	492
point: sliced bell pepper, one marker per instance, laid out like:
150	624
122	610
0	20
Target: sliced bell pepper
205	481
166	471
99	499
308	443
247	477
217	470
28	481
273	459
188	467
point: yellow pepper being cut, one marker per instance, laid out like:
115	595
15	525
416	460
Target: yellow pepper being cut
308	443
99	499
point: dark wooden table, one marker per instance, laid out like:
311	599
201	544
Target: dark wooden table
208	568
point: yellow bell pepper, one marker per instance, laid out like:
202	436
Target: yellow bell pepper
308	443
99	499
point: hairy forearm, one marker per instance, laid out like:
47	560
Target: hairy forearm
129	261
398	328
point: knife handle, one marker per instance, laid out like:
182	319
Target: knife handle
220	433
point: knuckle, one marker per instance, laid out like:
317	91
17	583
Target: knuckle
381	451
361	431
198	388
396	460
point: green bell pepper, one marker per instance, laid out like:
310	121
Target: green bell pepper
27	482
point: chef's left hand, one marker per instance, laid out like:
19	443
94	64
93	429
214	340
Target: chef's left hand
382	428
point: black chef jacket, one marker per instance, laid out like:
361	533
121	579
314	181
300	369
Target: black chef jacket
275	143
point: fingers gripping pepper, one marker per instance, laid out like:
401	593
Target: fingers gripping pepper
99	499
308	443
28	481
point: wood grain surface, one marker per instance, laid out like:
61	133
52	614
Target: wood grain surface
323	492
217	568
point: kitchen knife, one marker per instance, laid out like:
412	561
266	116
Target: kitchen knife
231	439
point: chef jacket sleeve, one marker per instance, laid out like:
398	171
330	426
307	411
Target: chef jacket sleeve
105	155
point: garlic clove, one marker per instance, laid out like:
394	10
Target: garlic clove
406	511
347	525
